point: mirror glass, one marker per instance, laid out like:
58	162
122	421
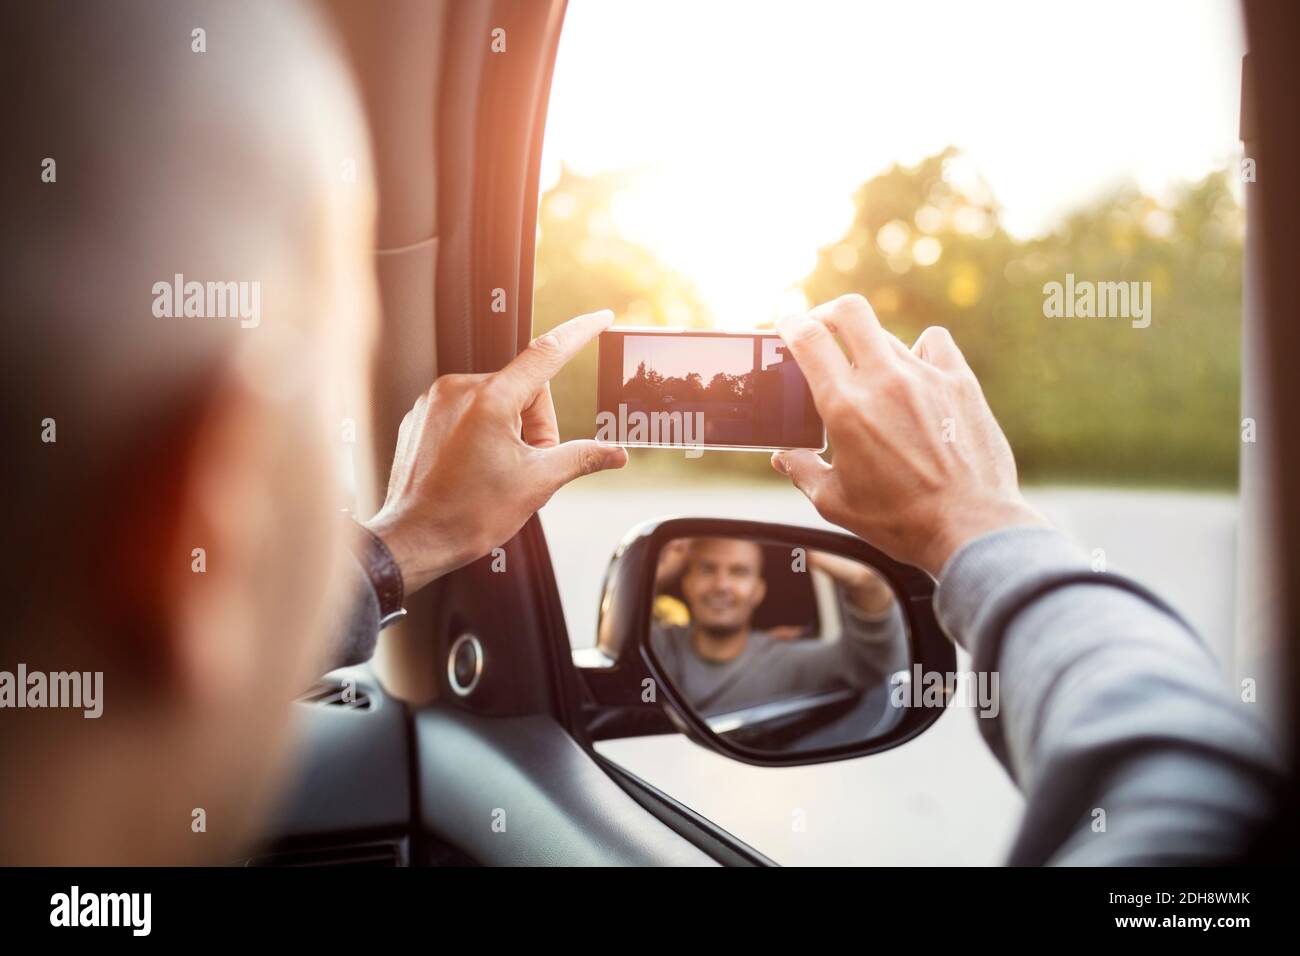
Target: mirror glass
779	648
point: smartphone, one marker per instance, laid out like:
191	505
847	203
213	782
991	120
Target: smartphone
681	388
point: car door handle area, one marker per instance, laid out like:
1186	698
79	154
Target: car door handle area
521	791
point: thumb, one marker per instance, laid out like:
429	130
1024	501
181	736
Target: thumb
573	459
807	469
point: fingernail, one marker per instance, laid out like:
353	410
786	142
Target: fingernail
614	455
778	462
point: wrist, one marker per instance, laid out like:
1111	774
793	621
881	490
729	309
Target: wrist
383	572
421	556
975	522
870	599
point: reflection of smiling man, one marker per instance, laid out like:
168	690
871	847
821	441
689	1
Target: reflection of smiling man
723	585
720	662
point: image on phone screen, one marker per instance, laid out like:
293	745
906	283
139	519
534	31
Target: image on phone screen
671	388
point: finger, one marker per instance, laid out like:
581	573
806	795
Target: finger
808	470
840	568
404	429
854	321
900	349
409	430
547	354
936	346
817	561
583	456
818	357
540	429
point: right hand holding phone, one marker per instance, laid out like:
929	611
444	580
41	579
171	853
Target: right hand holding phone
921	466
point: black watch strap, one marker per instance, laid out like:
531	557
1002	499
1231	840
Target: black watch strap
384	574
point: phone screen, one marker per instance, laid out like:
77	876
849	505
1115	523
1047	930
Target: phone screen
669	388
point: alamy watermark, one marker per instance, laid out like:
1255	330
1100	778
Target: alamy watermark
133	911
1098	300
208	300
977	690
674	429
75	690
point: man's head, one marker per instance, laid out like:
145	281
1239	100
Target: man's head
171	520
723	585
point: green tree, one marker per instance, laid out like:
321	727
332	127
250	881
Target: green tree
1080	398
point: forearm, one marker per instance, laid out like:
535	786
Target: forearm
873	646
1109	702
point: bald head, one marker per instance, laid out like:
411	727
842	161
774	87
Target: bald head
156	140
189	297
148	140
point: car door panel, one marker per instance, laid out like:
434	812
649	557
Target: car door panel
522	791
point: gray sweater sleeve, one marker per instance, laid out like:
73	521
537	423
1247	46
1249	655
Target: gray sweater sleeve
1117	724
354	642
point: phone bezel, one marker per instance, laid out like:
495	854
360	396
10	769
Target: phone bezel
711	333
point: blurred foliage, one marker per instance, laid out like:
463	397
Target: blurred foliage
1081	399
583	265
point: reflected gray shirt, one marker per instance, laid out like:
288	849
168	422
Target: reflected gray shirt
771	669
1109	702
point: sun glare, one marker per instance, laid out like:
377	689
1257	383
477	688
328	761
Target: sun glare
748	128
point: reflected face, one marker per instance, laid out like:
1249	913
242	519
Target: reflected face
723	584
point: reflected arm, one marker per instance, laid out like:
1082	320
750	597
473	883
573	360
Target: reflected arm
873	646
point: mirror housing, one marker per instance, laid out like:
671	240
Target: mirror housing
627	693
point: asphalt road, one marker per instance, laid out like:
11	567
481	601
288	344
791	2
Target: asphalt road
941	799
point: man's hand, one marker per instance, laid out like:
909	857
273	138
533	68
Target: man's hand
865	589
672	562
920	464
478	455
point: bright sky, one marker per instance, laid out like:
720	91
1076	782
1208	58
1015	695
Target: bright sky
753	123
674	357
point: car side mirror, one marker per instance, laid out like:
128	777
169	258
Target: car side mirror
774	644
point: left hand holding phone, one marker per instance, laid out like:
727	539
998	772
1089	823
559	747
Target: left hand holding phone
478	455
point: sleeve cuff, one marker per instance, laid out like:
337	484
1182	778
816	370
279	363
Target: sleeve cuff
989	580
985	575
356	640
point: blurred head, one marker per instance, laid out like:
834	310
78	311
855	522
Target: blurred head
170	519
723	585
